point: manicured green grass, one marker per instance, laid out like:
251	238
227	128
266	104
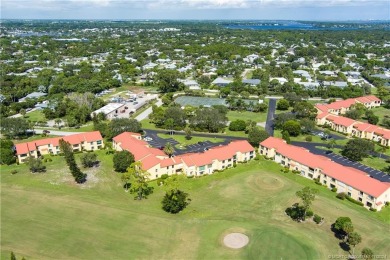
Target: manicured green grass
247	115
85	128
35	116
31	138
194	139
46	216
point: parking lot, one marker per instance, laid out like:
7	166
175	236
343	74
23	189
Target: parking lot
374	173
159	142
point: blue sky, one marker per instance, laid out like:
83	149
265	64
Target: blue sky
197	9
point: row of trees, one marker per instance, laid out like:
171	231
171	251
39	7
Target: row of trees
210	119
116	126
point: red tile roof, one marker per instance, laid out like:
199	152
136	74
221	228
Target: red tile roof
350	176
24	148
340	120
361	126
346	103
142	152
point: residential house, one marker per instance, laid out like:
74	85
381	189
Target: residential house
221	82
90	141
251	82
33	95
354	183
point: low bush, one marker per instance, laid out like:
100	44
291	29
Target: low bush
14	172
308	138
317	219
374	210
309	213
354	201
296	212
341	195
334	189
295	172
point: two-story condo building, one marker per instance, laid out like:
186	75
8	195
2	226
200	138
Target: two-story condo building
157	163
342	106
355	128
356	184
84	141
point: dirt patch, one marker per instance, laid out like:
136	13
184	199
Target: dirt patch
235	240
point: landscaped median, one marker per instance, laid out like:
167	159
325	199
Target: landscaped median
183	141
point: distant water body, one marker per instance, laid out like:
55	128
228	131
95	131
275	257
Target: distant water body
299	26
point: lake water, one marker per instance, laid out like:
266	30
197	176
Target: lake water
294	25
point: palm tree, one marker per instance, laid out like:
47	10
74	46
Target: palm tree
58	122
381	150
169	149
332	143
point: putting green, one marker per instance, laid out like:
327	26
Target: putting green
272	243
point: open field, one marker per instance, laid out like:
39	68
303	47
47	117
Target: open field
46	216
35	116
247	115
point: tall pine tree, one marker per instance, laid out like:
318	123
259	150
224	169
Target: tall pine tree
67	149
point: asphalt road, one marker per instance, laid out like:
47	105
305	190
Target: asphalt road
270	116
148	111
374	173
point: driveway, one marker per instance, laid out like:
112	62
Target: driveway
269	126
148	111
373	173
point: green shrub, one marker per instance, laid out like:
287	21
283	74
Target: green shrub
374	210
296	172
308	138
317	219
341	195
354	201
14	172
309	213
334	189
164	176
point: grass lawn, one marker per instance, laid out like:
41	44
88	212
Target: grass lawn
31	138
35	116
84	128
47	216
247	115
194	139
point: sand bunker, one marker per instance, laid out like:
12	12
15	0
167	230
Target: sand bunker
235	240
